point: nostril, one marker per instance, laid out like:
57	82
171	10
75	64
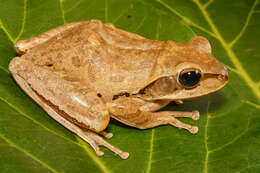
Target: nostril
226	77
224	70
220	77
223	76
224	73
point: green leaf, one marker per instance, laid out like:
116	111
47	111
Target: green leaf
229	133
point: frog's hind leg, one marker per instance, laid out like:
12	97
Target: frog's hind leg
90	137
101	142
95	141
23	45
107	135
86	118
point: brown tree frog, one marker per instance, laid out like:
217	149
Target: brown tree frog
84	73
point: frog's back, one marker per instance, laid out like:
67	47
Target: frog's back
100	57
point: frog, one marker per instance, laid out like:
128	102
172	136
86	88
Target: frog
84	73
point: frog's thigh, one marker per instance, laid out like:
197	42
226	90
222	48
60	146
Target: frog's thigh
23	45
89	136
78	105
128	111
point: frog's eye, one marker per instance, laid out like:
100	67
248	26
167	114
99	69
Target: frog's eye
189	78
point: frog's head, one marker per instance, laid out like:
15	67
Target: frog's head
184	71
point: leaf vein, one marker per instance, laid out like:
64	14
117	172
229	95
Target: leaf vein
253	104
92	155
72	7
1	67
239	35
221	115
230	52
207	3
28	154
46	128
24	20
149	163
251	166
232	69
62	11
206	140
6	32
185	19
233	140
141	23
258	84
120	15
36	122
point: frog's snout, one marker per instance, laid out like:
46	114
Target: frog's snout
224	74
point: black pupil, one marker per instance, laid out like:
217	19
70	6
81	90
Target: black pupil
190	79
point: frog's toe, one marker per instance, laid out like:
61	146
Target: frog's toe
98	140
106	134
195	115
109	135
99	153
124	155
193	129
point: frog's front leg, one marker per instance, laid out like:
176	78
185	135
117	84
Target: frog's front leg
168	117
127	110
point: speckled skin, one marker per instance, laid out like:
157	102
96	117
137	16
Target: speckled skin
86	72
